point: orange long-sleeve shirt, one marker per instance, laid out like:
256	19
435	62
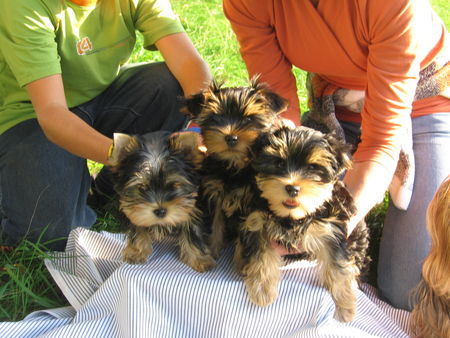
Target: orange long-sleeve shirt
373	45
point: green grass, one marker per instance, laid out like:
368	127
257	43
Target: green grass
25	284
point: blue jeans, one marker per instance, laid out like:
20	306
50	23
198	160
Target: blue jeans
44	187
405	241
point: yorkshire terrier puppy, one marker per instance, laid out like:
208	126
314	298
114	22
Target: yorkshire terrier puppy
230	120
156	177
431	314
301	203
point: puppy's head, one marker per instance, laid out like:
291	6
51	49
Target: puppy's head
297	169
232	118
155	177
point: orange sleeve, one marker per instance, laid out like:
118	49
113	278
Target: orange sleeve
393	67
251	21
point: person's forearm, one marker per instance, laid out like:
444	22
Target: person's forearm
68	131
367	182
185	63
194	76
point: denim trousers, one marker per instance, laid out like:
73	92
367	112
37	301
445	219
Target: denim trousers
44	188
405	241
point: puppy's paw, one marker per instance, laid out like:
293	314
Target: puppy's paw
198	261
133	255
345	315
203	263
261	294
215	251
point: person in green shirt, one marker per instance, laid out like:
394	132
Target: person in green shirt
65	88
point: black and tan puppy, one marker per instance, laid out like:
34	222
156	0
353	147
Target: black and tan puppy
301	204
157	181
230	120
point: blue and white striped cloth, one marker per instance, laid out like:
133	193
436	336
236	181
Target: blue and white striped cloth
165	298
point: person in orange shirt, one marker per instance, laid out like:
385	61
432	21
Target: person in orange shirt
384	67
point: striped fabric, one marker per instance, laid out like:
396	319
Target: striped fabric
165	298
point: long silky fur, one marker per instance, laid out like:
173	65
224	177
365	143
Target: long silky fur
431	314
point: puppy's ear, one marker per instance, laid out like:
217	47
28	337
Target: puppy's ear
123	145
277	104
260	142
188	145
341	151
192	106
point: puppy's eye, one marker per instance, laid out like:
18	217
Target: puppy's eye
248	118
175	185
279	164
313	166
142	188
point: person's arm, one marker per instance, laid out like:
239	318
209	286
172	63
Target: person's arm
397	38
61	126
184	62
27	42
251	22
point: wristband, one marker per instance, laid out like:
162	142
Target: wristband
110	150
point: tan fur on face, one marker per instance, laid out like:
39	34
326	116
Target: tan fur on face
141	214
320	156
239	154
311	195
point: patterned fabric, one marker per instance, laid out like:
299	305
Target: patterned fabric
165	298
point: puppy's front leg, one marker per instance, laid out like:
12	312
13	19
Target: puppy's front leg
139	245
193	249
257	261
216	241
337	273
211	198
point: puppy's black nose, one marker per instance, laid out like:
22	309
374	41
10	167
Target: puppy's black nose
160	212
292	190
231	140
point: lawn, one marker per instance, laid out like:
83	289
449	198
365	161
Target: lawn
25	284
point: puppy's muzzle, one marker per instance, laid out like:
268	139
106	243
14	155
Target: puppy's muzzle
160	212
231	140
292	190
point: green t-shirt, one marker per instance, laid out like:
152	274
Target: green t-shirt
86	45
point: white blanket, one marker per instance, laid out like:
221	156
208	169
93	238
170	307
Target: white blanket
165	298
